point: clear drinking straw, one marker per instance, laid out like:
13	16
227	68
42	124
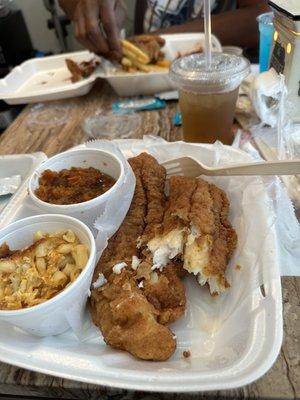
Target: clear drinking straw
207	31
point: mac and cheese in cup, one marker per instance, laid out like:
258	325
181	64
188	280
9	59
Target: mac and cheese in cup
46	265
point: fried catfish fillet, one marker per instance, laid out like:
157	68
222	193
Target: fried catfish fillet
128	321
196	229
132	308
164	289
173	232
212	239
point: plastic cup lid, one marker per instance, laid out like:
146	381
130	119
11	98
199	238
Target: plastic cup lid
226	73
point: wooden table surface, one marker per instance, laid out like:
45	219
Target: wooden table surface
24	136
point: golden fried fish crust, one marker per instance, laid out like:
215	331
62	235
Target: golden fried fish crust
129	322
225	238
209	218
122	245
153	177
196	229
189	231
132	308
167	294
179	205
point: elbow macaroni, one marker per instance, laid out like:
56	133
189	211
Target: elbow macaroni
37	273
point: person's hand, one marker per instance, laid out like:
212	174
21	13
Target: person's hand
88	17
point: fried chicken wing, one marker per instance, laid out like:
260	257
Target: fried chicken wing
81	69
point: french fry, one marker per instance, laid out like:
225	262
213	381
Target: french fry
149	67
133	52
135	59
140	66
157	68
132	57
126	62
163	63
132	69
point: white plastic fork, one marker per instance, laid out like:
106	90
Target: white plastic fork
188	166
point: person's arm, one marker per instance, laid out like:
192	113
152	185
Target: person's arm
238	27
88	15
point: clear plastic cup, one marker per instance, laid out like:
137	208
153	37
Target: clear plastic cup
207	98
266	29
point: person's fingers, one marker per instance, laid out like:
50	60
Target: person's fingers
79	23
92	26
80	31
95	35
109	22
87	18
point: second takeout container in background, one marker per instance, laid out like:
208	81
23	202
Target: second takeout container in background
66	309
44	79
89	210
47	78
143	83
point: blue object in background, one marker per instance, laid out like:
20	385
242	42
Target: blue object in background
39	54
177	119
266	30
140	103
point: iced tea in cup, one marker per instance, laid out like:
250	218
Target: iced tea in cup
207	98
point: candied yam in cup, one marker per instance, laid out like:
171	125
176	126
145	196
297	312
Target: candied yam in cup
86	211
67	308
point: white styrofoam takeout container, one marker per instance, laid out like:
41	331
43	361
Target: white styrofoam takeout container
84	158
18	164
53	316
143	83
47	78
44	79
217	362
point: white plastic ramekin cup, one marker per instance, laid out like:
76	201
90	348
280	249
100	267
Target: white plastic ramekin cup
86	211
67	308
